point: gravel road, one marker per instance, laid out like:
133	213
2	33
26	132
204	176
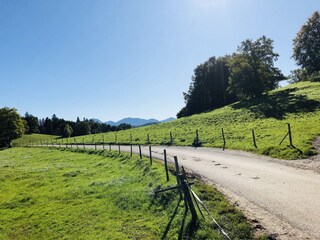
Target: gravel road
278	197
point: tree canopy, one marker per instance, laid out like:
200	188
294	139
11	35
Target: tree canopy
208	88
252	69
220	81
12	126
32	123
306	45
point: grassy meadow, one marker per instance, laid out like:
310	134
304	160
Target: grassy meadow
47	193
30	138
297	104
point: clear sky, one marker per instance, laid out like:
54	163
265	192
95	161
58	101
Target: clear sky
111	59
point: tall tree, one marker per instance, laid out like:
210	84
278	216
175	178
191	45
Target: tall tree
67	131
252	69
32	123
208	87
306	45
12	126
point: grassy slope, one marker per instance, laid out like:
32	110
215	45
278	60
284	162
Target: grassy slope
297	104
54	194
28	138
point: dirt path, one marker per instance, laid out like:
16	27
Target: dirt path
280	197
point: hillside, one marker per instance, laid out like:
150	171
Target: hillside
29	138
297	104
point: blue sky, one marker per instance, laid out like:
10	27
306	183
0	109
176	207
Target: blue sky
111	59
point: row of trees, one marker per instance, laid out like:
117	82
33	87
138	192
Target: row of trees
13	126
61	127
250	71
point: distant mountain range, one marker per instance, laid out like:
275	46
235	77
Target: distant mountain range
135	122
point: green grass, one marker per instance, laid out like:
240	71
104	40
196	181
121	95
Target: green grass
297	104
33	138
84	194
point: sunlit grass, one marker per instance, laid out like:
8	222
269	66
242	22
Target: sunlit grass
86	194
297	104
34	138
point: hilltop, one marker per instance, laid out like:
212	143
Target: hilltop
297	104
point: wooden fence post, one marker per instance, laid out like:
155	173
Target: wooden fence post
177	173
166	164
224	140
130	150
254	139
119	148
290	135
150	155
187	196
140	152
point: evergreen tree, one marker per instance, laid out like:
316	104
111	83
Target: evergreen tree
208	88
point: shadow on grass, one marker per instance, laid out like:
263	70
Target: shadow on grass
278	104
186	230
175	212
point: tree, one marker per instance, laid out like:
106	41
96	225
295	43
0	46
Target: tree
252	69
82	128
32	123
306	45
67	131
208	88
12	126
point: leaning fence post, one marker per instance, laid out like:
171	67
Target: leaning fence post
290	135
254	139
165	163
187	196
